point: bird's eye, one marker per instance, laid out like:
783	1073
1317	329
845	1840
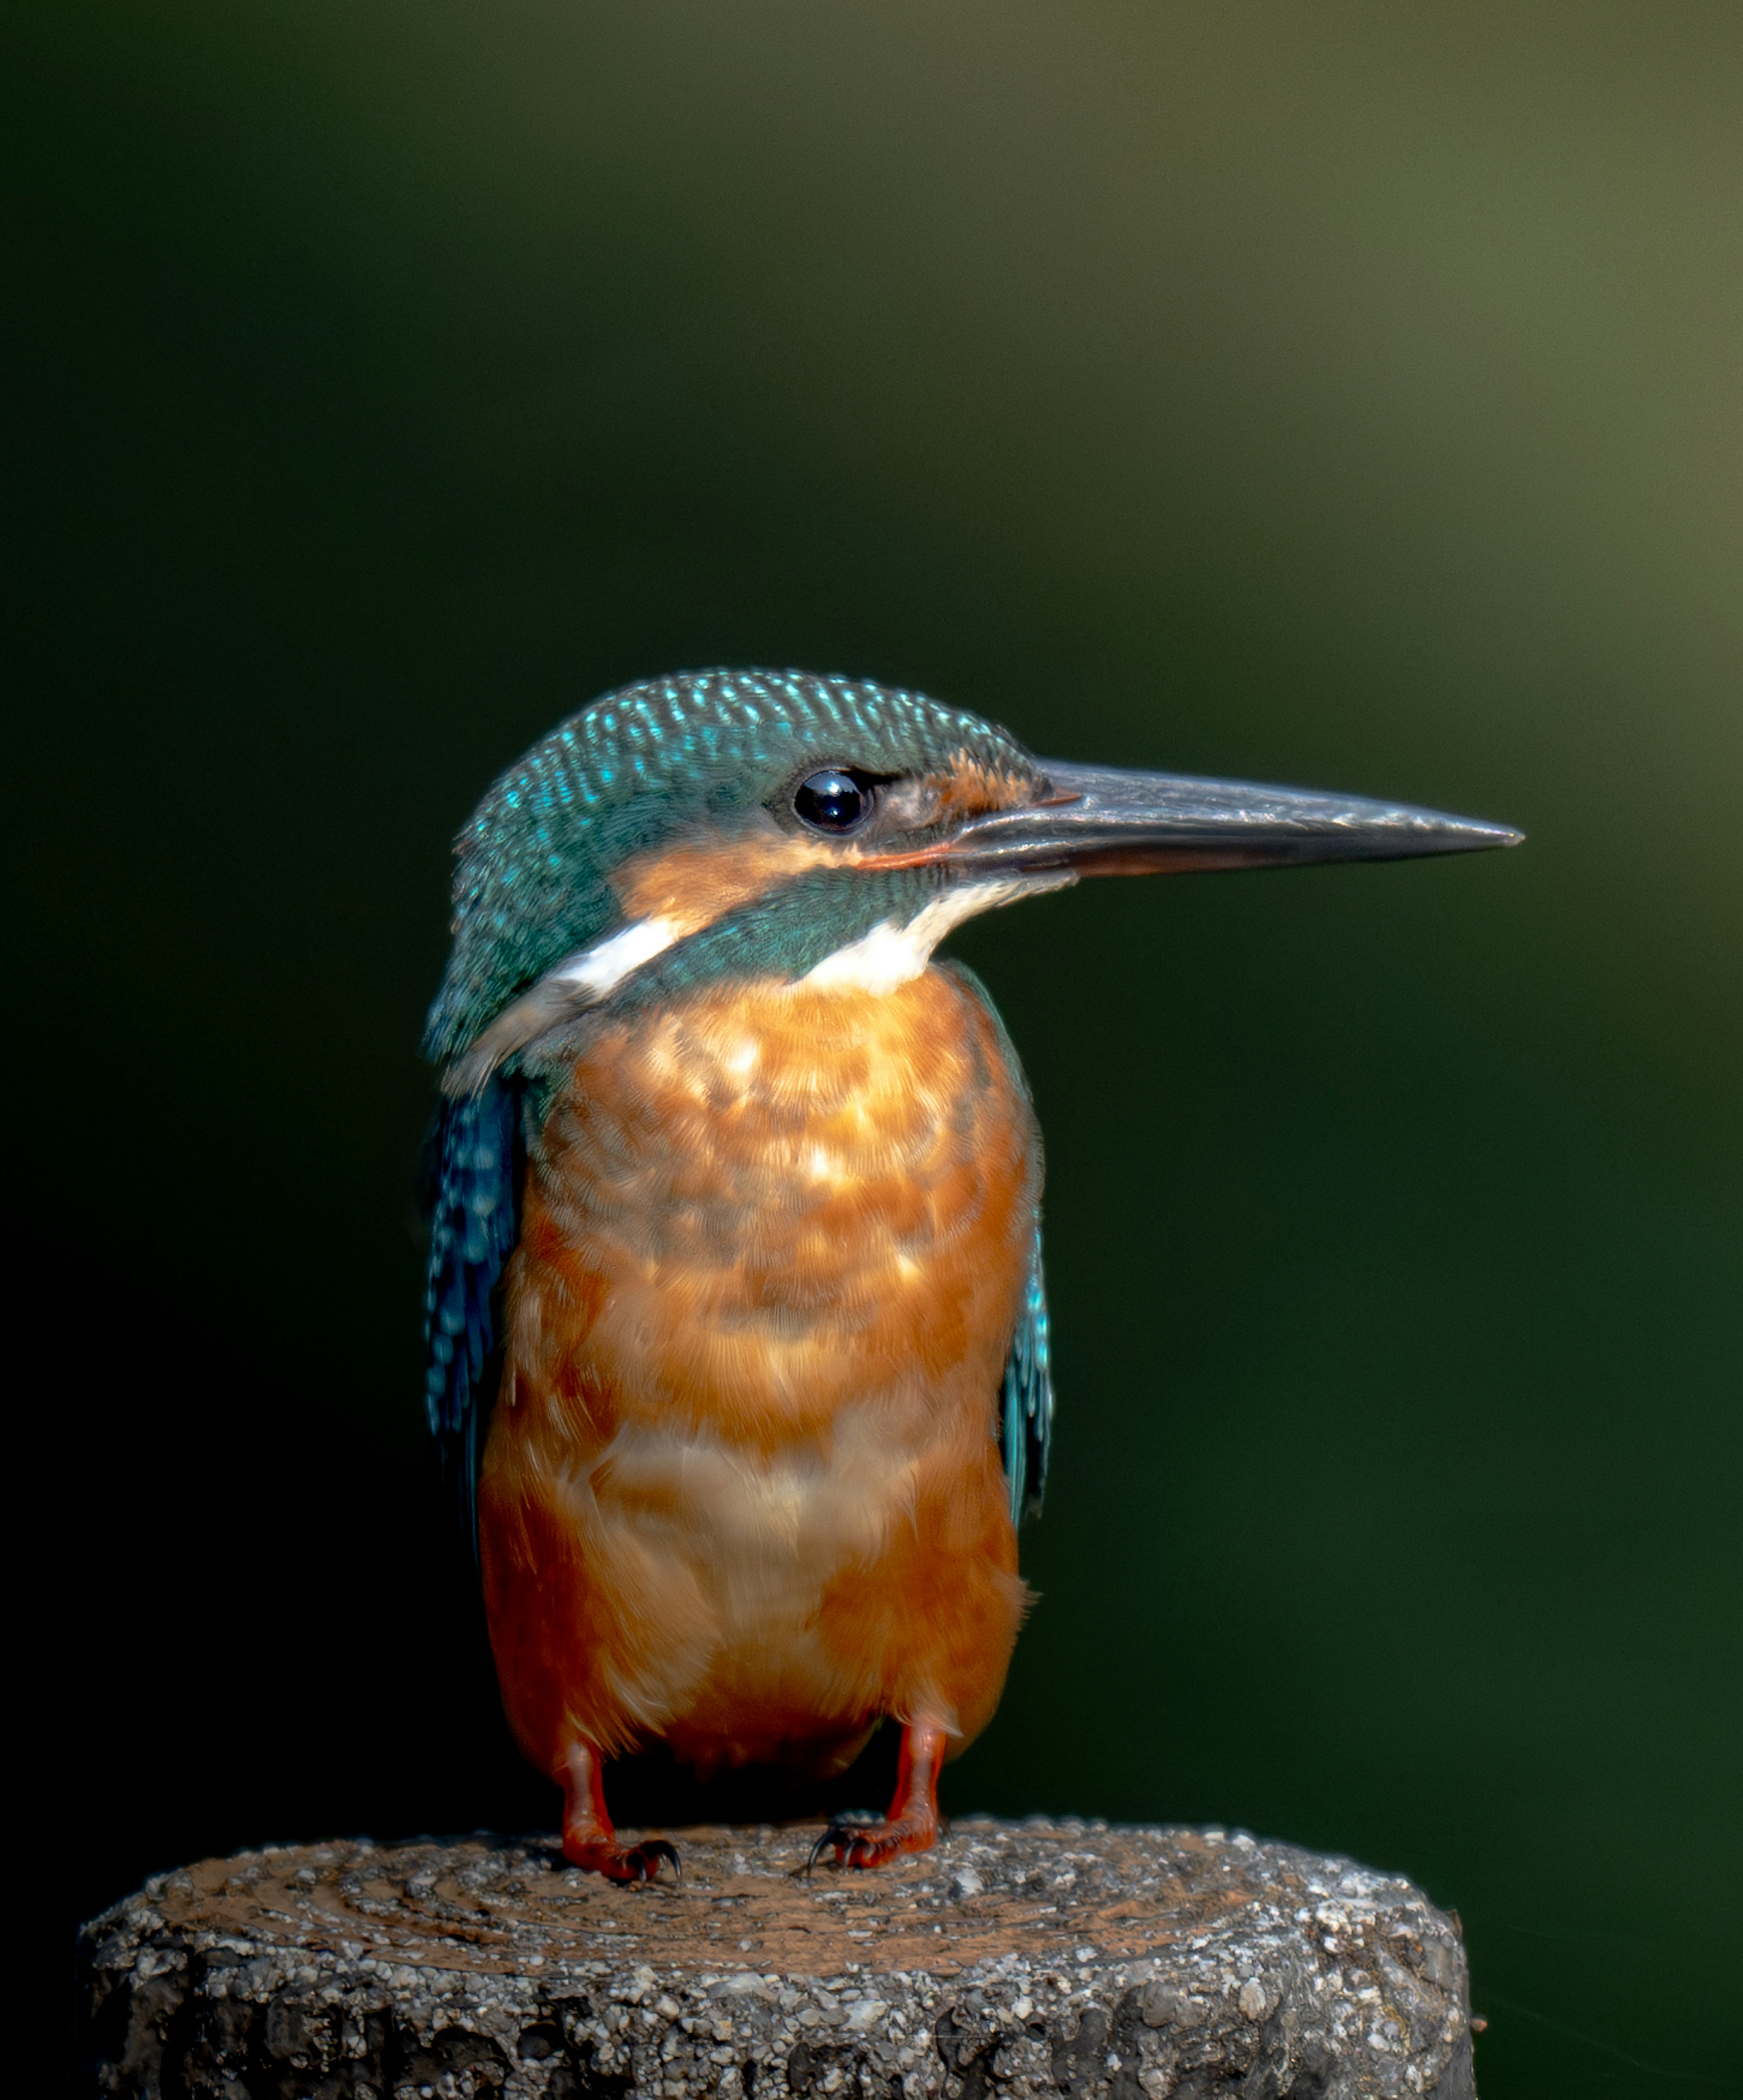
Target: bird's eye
832	801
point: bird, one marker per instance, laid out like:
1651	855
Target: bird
737	1334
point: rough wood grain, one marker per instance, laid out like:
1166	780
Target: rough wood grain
1044	1958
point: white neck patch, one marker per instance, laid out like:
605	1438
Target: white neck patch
877	962
890	954
600	969
580	980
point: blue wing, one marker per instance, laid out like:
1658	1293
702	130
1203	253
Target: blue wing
1026	1431
473	1228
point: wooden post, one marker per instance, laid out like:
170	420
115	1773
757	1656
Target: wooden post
1016	1959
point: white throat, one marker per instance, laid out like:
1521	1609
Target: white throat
892	955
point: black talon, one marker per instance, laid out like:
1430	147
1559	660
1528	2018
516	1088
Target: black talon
842	1831
649	1854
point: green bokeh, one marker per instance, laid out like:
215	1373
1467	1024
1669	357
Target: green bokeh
1345	395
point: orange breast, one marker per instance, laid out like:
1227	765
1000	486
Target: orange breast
741	1491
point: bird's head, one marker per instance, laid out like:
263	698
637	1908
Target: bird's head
815	829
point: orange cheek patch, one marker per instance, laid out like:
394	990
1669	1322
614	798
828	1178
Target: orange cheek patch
694	883
700	881
970	789
965	788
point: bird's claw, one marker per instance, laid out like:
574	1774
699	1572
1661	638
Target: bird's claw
839	1829
645	1858
859	1841
629	1863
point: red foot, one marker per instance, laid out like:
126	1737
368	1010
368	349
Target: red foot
913	1822
589	1841
623	1862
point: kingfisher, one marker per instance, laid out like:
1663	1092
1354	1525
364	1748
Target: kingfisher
737	1332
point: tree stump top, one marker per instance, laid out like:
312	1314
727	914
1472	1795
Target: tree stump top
1024	1959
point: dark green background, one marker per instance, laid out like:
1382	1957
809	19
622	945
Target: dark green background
1345	395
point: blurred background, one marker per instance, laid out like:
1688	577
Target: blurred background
1340	394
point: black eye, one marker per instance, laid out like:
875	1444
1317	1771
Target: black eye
832	801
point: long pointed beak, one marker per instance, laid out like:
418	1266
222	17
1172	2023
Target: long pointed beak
1101	820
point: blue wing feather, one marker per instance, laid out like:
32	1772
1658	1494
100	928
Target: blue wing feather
1026	1417
473	1228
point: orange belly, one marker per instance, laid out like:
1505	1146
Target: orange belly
741	1492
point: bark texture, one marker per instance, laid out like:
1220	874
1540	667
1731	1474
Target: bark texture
1014	1962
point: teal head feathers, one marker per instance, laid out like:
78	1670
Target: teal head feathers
703	776
733	820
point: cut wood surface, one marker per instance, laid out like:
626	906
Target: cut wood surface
1015	1960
